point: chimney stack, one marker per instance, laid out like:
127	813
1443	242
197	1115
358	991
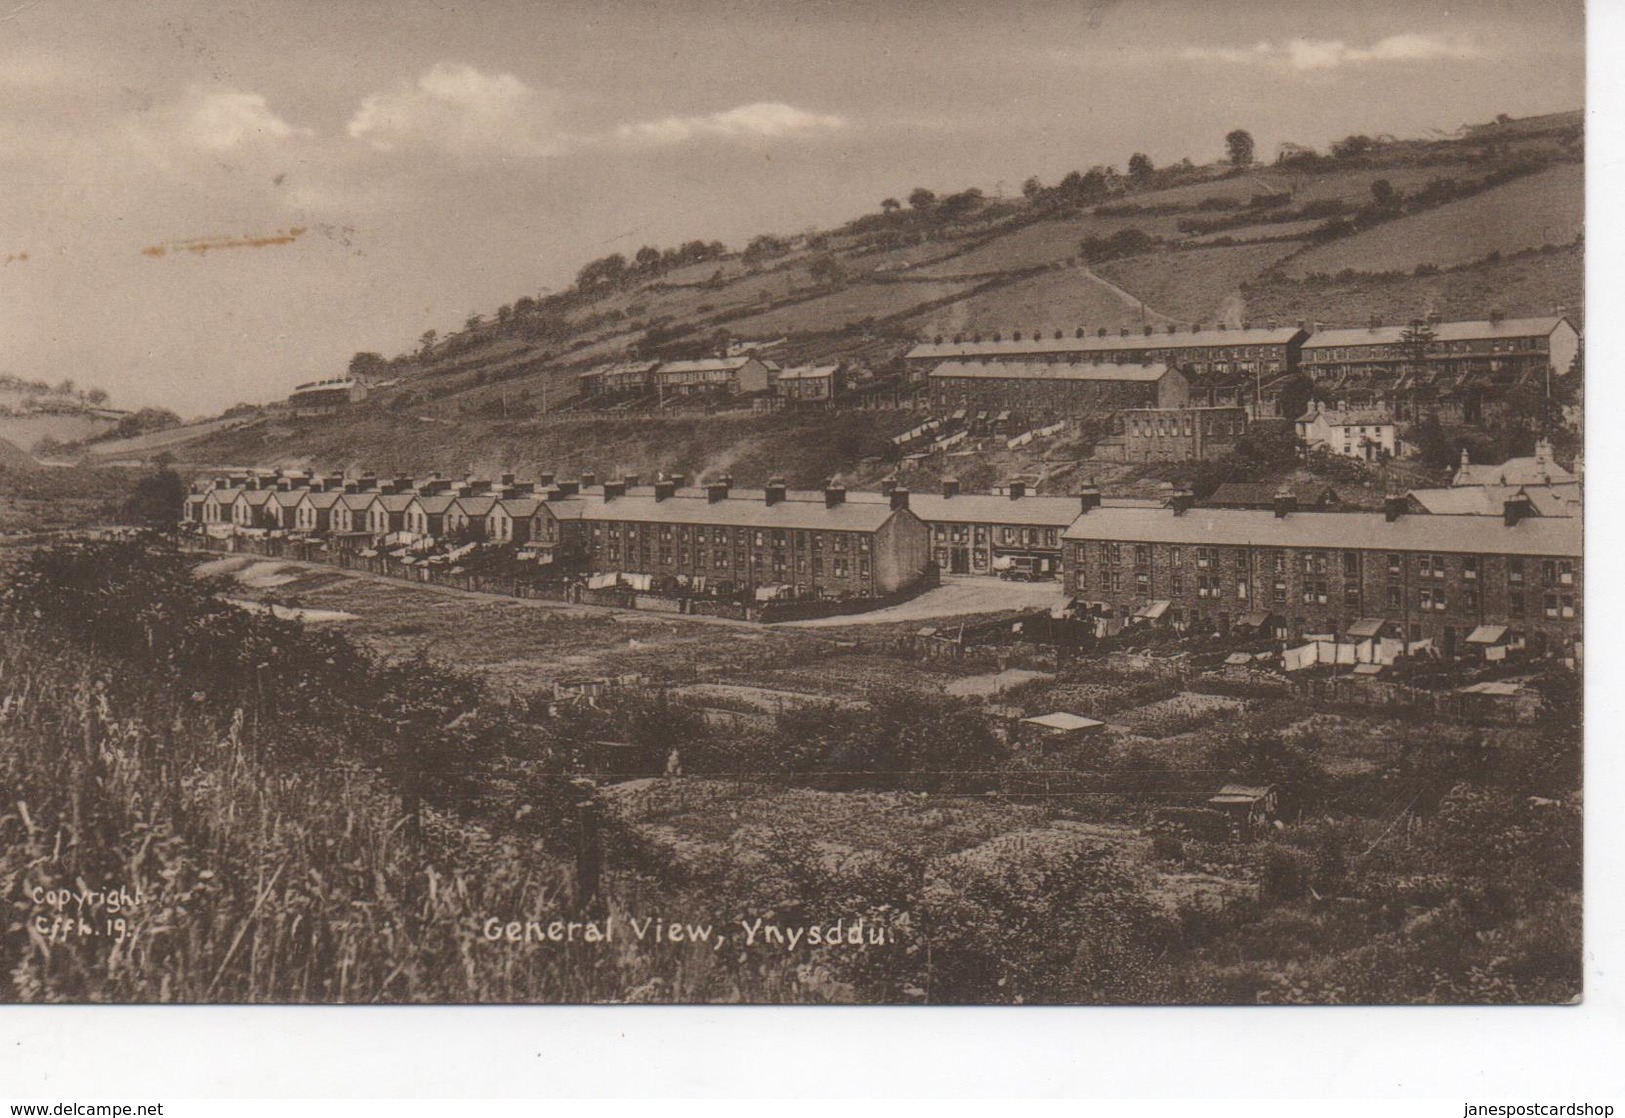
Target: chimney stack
567	488
588	479
614	489
506	480
1516	508
950	487
1285	503
716	492
664	490
887	484
1393	507
1497	316
899	498
1089	497
1018	490
1181	501
776	490
834	494
679	480
631	480
545	479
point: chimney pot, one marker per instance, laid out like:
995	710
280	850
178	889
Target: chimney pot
1089	497
614	489
1285	503
1018	490
834	495
716	491
1393	507
950	487
588	479
1181	501
899	498
775	491
664	490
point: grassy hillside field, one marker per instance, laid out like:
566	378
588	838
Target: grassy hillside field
1533	212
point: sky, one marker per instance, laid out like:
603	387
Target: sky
207	203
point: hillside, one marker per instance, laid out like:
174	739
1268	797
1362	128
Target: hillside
1392	228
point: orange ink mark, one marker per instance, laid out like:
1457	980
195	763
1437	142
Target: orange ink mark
200	246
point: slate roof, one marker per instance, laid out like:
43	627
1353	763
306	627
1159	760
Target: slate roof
435	503
520	508
850	516
1112	343
1472	535
1048	370
809	372
480	504
706	365
1562	499
1464	331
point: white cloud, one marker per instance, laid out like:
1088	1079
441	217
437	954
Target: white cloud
458	108
222	120
761	120
1325	54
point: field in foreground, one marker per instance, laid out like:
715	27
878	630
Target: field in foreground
279	843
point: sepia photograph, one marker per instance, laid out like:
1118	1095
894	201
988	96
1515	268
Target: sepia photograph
872	504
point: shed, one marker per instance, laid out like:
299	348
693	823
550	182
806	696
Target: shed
1250	805
1058	728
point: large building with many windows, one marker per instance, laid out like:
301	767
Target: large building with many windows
1499	347
1041	390
1437	578
715	539
1263	352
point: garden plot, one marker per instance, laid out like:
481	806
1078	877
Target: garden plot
1185	712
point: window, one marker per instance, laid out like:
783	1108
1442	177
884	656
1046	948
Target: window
1548	572
1142	555
1469	598
1083	577
1278	592
1393	597
1176	581
1351	564
1052	537
1551	605
1567	601
1565	572
1351	597
1515	570
1116	552
1395	564
1242	589
1116	582
1142	584
1176	555
1469	567
1206	557
1515	603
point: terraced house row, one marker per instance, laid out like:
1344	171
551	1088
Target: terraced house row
1419	576
1452	580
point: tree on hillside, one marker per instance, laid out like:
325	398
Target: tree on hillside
157	500
504	313
96	397
364	366
1032	188
890	205
1140	167
921	199
1295	396
473	322
647	258
1384	196
1239	145
606	270
1352	147
524	305
957	206
426	342
826	270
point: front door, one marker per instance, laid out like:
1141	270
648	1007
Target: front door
959	561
